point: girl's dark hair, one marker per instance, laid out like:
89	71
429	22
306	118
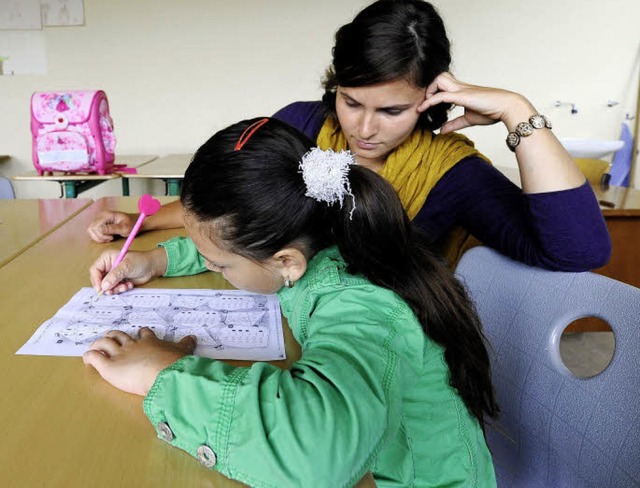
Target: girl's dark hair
387	41
253	200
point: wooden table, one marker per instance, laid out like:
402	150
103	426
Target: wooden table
74	183
62	425
169	168
621	210
24	222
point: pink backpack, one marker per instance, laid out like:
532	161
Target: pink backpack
72	132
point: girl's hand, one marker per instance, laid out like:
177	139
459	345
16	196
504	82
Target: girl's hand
482	105
132	365
136	268
109	223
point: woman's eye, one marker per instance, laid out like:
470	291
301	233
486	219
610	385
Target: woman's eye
351	103
393	111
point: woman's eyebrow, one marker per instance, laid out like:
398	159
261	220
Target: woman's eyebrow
345	95
398	106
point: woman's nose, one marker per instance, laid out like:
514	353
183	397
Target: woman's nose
367	127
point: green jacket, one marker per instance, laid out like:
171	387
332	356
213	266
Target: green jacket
370	393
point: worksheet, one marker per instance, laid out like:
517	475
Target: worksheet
229	324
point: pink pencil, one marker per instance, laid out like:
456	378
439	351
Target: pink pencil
147	205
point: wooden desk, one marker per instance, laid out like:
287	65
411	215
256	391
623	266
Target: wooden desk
25	222
170	169
63	426
623	222
74	183
621	210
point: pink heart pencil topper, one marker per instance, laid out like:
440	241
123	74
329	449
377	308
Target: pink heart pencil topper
147	205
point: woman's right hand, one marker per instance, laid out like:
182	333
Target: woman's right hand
482	105
108	224
136	268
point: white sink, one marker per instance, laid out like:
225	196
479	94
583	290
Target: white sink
590	148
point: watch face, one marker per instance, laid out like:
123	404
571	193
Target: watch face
513	140
537	121
524	129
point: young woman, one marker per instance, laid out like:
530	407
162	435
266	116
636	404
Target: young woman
394	377
387	91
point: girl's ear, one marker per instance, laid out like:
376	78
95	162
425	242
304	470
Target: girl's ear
291	262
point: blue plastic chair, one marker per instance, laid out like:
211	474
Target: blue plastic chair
6	189
555	429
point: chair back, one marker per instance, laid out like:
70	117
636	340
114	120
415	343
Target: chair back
6	189
556	429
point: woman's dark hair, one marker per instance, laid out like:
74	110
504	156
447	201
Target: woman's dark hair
254	202
387	41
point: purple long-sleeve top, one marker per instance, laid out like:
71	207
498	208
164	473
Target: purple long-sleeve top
561	230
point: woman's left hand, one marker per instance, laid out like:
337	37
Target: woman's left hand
482	105
132	365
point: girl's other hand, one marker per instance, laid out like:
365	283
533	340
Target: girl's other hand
136	268
482	105
132	365
108	224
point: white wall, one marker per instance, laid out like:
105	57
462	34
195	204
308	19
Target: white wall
175	72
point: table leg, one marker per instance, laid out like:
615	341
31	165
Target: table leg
125	186
69	188
173	186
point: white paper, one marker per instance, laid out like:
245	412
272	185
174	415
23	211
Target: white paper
229	324
26	52
62	12
20	14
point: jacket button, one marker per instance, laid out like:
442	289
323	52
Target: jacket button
165	431
206	456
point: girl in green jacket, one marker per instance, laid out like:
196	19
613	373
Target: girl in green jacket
394	377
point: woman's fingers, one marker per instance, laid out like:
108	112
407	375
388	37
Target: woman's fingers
444	89
454	125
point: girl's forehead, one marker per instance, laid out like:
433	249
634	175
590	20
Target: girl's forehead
208	245
203	233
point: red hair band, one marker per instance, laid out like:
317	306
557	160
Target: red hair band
248	132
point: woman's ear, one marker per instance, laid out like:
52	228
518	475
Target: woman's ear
291	262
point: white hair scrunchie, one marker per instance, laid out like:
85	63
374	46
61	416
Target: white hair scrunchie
325	173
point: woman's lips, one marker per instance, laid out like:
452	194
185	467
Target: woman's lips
366	145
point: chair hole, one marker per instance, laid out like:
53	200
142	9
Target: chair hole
587	346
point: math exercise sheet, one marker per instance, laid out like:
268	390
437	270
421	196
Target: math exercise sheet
229	324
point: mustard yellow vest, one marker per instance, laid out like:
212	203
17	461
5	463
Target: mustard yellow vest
414	168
